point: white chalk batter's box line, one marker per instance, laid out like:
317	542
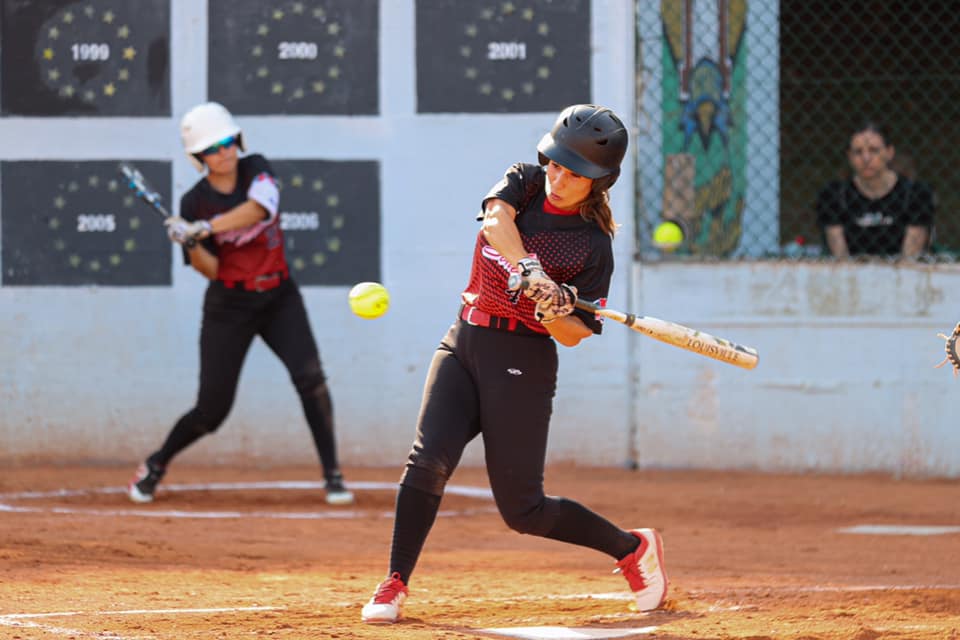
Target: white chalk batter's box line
479	493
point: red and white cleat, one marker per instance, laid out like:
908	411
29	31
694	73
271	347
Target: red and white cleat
386	605
644	570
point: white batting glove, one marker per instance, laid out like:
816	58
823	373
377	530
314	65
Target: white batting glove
539	286
183	232
563	305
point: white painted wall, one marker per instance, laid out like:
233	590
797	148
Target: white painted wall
845	381
102	373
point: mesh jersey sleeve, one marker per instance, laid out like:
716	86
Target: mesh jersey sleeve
521	183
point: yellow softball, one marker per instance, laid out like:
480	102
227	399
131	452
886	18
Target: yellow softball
369	300
667	236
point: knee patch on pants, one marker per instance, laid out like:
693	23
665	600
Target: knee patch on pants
429	478
202	423
310	380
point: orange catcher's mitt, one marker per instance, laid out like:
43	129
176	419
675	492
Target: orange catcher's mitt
951	348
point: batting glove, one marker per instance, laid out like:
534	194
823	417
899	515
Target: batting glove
187	233
548	311
539	286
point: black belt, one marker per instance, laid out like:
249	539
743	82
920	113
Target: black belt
265	282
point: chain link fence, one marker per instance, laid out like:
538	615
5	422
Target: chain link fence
746	113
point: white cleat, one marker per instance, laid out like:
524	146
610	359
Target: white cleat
386	605
644	570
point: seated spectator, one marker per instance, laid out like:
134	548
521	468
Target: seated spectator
877	211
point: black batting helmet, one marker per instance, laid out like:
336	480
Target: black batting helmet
587	139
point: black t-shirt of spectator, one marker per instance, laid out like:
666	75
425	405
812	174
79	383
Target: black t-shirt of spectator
876	227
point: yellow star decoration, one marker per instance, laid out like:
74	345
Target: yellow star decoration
543	28
317	185
263	30
67	17
277	88
337	222
319	13
318	86
465	51
89	11
48	54
278	14
334	72
262	72
296	181
527	14
339	51
508	8
297	7
59	202
123	74
123	32
333	200
129	53
549	51
471	30
333	28
53	74
109	89
108	17
257	51
54	33
67	90
93	181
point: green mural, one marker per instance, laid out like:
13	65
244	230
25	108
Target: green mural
704	122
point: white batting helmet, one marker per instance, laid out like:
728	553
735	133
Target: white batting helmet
205	125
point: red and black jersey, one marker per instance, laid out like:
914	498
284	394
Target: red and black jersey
243	253
571	250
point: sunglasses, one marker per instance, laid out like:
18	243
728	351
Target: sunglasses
226	143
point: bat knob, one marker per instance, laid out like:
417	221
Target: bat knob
515	281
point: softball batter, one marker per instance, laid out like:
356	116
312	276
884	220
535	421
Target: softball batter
494	373
229	228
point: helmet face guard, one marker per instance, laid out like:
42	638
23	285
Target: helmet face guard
206	125
587	139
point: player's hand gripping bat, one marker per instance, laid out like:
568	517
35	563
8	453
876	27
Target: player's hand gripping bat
147	193
669	332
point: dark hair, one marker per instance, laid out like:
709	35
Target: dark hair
871	126
596	208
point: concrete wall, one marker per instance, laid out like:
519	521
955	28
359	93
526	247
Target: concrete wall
845	381
102	373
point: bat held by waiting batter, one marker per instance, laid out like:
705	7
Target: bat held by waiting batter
680	336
